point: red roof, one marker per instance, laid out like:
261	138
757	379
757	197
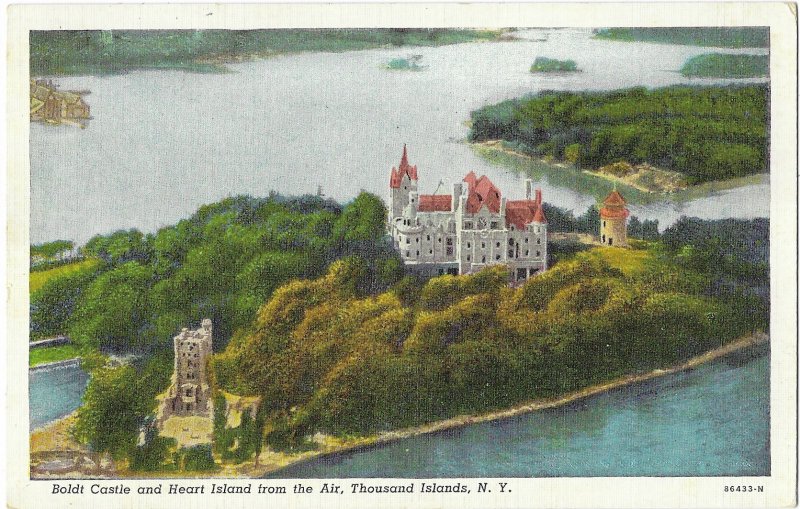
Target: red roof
614	213
482	192
404	169
435	203
520	213
614	199
614	206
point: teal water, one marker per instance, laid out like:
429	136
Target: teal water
54	392
712	421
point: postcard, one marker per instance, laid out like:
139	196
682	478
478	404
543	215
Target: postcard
387	255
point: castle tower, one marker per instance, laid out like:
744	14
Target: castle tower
614	220
190	392
402	182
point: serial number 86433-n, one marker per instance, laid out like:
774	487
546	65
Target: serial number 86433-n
744	488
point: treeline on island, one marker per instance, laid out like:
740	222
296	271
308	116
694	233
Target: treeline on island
325	328
706	133
70	52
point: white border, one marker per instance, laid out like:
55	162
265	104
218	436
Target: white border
780	487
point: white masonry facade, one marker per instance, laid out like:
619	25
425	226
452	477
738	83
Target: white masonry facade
472	228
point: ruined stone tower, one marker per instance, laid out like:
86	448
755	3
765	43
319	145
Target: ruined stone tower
190	393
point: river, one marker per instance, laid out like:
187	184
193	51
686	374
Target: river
712	421
161	143
54	392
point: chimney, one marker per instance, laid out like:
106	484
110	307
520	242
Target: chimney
456	196
528	188
538	196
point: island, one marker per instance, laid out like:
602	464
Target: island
721	37
544	64
268	330
657	141
724	65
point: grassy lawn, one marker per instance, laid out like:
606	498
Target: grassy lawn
38	279
52	354
630	261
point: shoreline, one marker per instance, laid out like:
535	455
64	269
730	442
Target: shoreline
638	194
271	461
738	345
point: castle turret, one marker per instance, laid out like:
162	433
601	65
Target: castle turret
614	220
402	182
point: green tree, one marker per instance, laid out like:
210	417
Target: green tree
113	410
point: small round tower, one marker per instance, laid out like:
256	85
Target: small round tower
614	220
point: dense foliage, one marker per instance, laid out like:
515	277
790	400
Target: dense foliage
325	358
724	37
722	65
544	64
222	263
707	133
107	51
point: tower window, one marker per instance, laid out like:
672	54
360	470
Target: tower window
526	252
498	245
538	241
483	260
526	240
483	245
468	258
416	239
417	253
538	253
428	238
469	245
408	253
430	251
494	225
604	224
497	257
408	241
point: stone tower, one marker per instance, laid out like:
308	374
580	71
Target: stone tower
190	393
614	220
402	183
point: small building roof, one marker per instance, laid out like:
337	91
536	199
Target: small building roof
435	203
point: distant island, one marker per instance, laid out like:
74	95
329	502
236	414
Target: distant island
701	134
410	63
544	64
719	65
721	37
79	52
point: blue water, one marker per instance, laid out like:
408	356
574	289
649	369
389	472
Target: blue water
54	393
712	421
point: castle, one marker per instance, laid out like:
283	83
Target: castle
190	393
470	229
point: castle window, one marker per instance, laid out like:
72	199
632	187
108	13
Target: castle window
428	238
483	245
468	258
449	241
604	224
526	252
408	240
417	253
483	260
510	242
469	246
526	240
416	239
494	225
498	245
497	257
538	241
408	253
537	229
449	250
538	253
430	251
467	225
511	253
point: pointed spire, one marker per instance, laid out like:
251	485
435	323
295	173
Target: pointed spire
404	159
